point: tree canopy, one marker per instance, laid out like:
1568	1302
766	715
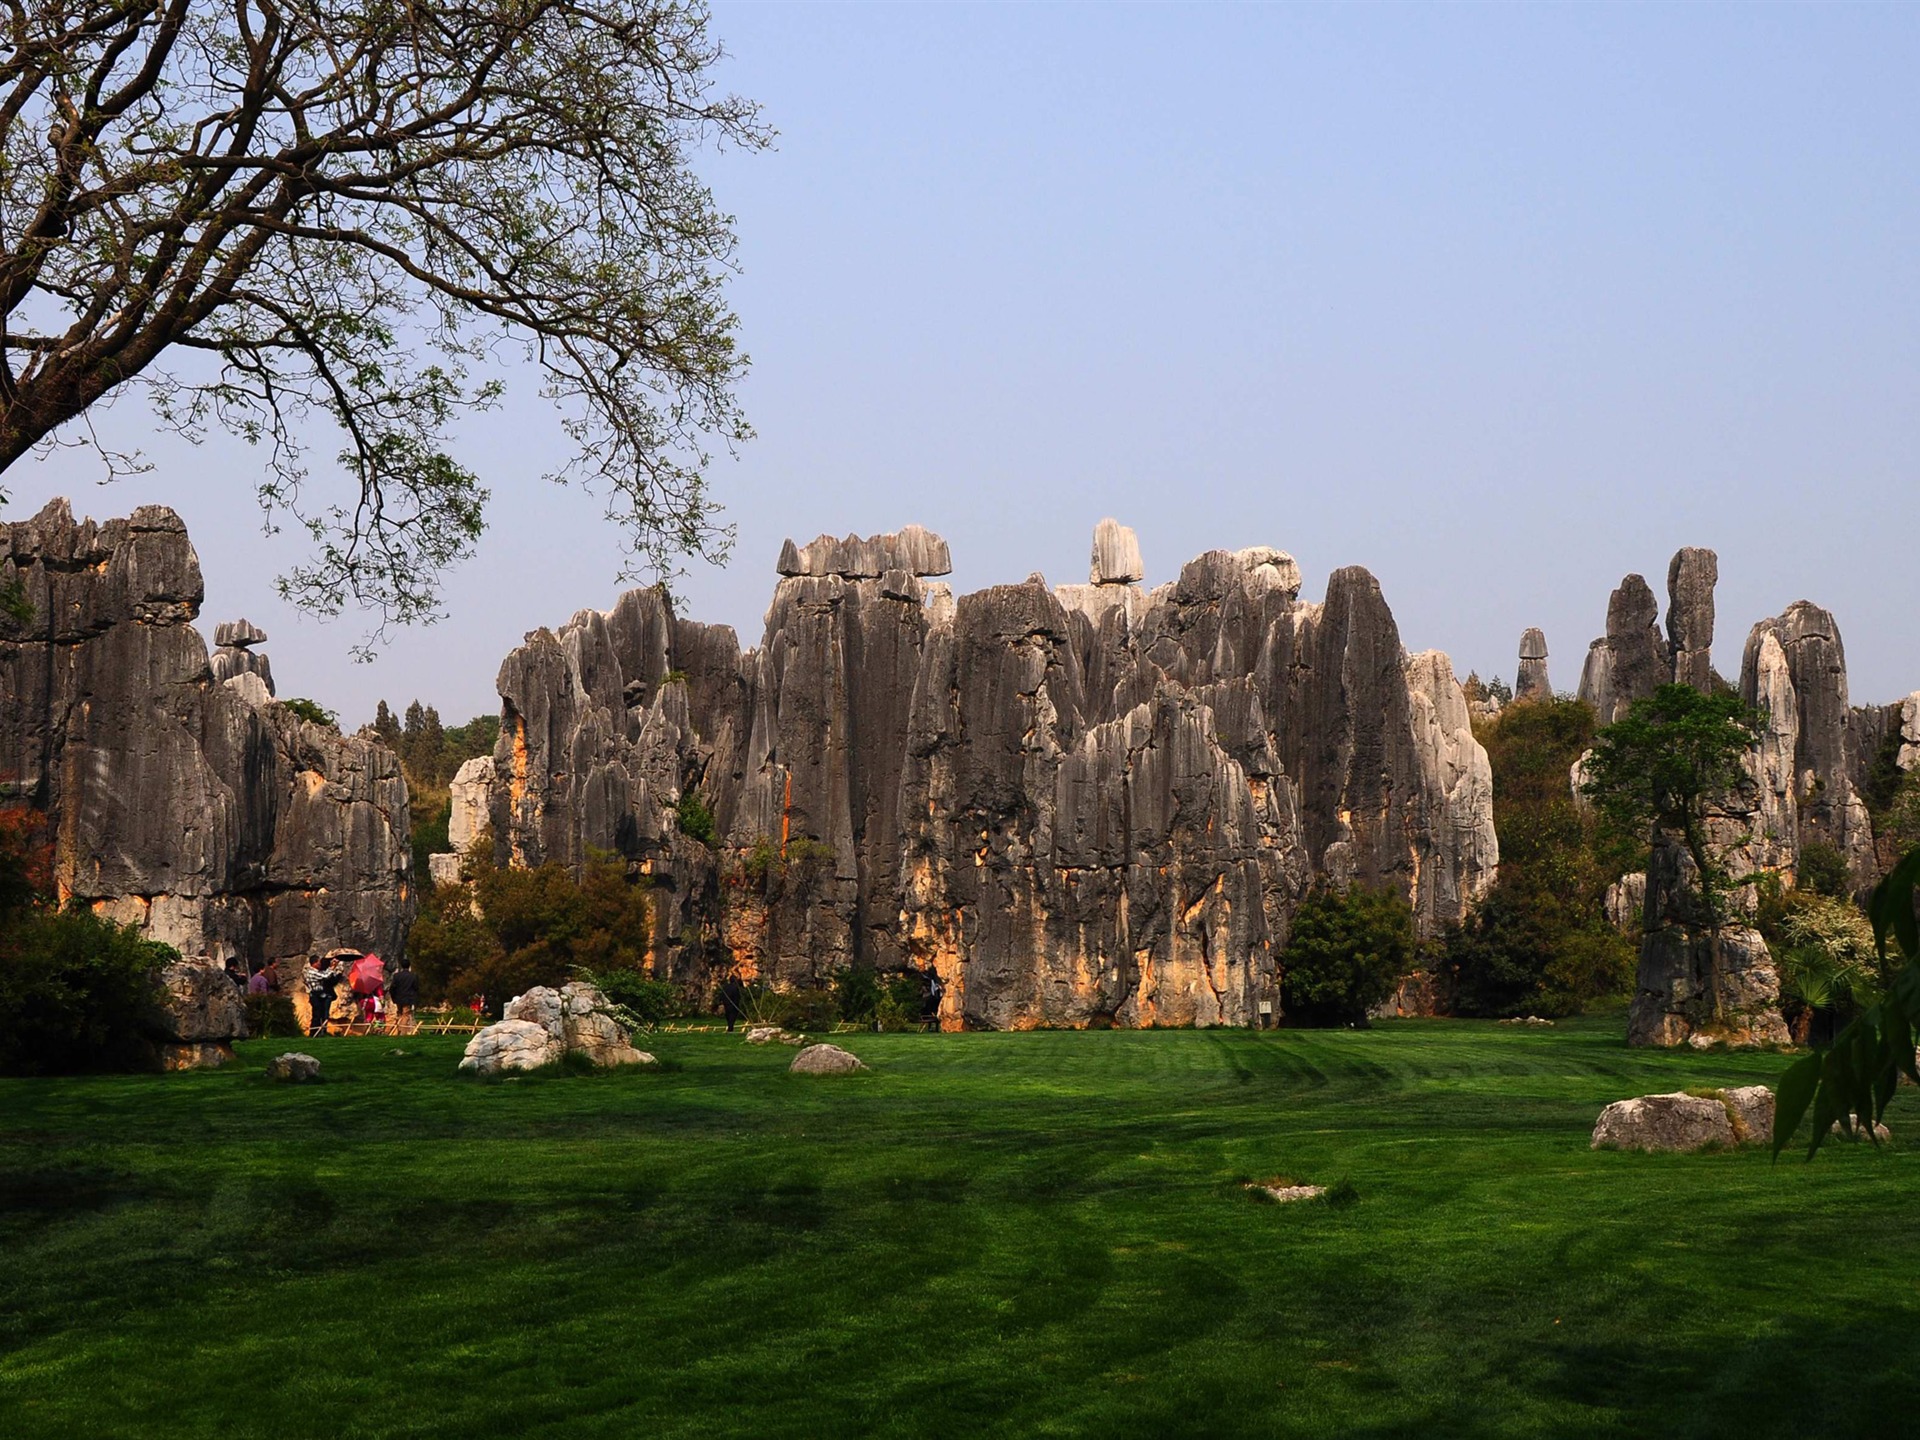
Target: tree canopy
266	211
1667	763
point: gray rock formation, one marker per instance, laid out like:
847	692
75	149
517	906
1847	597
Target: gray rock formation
1690	580
218	822
198	1015
234	655
1084	806
1631	660
1693	986
1532	683
1795	668
1804	779
912	551
1116	555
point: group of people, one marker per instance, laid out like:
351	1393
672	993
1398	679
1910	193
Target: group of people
370	996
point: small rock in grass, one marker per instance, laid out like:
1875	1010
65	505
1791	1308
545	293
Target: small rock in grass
825	1060
772	1035
1285	1193
1880	1132
294	1067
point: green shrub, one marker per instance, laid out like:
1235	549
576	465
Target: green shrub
1823	869
269	1015
431	815
1346	953
1539	942
814	1008
313	712
510	930
76	993
650	1002
696	820
857	993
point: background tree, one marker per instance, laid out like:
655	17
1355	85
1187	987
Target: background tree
1346	952
510	930
346	209
1540	942
1673	759
430	754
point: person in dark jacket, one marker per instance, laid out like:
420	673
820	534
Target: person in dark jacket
930	999
322	980
733	998
404	993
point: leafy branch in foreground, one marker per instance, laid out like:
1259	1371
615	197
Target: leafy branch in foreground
1850	1083
266	211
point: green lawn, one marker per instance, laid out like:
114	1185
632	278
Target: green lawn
1036	1234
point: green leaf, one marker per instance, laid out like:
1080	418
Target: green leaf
1795	1094
1891	908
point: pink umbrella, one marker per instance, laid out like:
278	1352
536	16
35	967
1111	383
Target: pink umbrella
368	975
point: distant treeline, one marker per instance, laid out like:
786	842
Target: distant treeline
430	753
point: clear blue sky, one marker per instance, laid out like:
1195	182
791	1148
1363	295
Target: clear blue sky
1502	303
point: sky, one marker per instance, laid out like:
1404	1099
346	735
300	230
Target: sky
1500	302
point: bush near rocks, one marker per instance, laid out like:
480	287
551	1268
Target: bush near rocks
1347	951
76	992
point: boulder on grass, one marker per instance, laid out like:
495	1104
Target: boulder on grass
511	1045
1676	1122
575	1017
294	1068
1752	1109
199	1001
825	1060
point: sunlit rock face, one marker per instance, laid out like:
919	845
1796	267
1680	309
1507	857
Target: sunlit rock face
1086	805
219	822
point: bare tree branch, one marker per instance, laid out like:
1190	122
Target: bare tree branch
346	207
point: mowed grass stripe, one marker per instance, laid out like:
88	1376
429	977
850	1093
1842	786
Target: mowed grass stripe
1041	1233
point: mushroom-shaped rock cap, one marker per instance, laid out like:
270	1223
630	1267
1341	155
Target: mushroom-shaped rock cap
915	550
1271	569
239	633
1116	555
1533	645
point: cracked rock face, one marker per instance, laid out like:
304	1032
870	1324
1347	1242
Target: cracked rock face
1085	806
1795	668
220	823
1630	661
1691	576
